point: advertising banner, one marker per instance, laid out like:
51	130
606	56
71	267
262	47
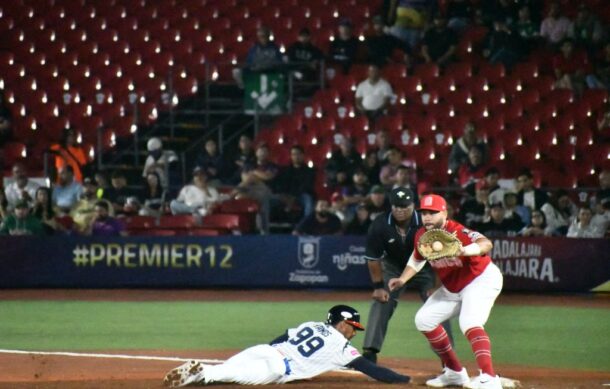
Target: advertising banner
280	261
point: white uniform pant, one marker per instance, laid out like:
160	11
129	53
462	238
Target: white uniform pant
257	365
473	303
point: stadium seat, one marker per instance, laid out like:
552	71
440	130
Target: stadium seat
177	222
228	222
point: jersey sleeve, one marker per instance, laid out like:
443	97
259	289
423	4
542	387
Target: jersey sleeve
466	235
374	243
348	354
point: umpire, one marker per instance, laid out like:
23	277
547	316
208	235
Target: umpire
389	245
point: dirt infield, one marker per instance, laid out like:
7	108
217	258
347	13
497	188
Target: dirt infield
44	371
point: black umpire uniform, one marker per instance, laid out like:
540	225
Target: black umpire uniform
389	245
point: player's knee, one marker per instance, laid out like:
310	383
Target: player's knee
423	322
466	324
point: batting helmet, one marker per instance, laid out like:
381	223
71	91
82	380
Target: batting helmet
345	313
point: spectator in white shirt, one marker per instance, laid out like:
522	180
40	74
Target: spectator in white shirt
197	197
158	161
582	226
21	188
555	27
373	94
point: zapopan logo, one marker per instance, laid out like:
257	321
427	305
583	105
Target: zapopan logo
309	252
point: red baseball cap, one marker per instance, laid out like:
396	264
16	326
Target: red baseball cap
433	202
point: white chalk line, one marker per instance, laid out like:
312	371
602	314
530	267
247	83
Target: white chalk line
123	356
115	356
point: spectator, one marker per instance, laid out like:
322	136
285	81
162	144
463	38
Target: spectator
555	27
297	182
498	226
382	145
344	48
601	201
587	31
211	160
6	125
527	194
358	190
159	161
253	187
406	178
512	210
473	171
69	153
21	188
600	79
154	196
102	224
103	184
537	226
492	178
305	56
3	204
475	211
571	68
20	222
409	19
43	211
559	211
338	207
459	14
264	55
67	192
120	195
377	202
381	46
83	212
503	45
321	222
196	198
387	176
460	149
601	218
372	167
439	43
373	94
582	227
245	156
264	169
526	29
346	160
360	223
340	183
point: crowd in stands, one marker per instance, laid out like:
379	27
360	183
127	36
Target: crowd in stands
357	183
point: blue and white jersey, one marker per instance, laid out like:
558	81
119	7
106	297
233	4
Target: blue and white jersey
315	348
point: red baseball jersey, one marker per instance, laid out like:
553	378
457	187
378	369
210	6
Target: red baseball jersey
457	272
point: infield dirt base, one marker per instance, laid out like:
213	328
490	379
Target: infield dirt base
43	371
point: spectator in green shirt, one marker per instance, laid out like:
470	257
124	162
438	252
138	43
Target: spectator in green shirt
20	222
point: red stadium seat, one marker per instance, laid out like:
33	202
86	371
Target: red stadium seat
229	222
177	222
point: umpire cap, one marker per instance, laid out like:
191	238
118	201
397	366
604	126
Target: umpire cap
401	197
345	313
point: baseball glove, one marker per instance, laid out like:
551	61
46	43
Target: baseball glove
436	243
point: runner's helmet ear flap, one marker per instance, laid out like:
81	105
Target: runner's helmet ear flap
345	313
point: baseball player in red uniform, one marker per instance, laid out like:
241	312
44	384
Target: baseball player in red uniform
470	285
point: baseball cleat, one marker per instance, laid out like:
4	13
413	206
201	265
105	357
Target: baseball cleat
186	374
484	381
449	378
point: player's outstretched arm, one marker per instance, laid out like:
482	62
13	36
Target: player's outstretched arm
379	373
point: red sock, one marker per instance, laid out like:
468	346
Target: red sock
481	347
442	346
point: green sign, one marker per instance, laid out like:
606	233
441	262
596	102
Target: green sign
265	93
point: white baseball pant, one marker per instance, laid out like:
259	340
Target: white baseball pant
256	365
473	303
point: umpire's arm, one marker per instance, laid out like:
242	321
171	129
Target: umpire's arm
374	253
